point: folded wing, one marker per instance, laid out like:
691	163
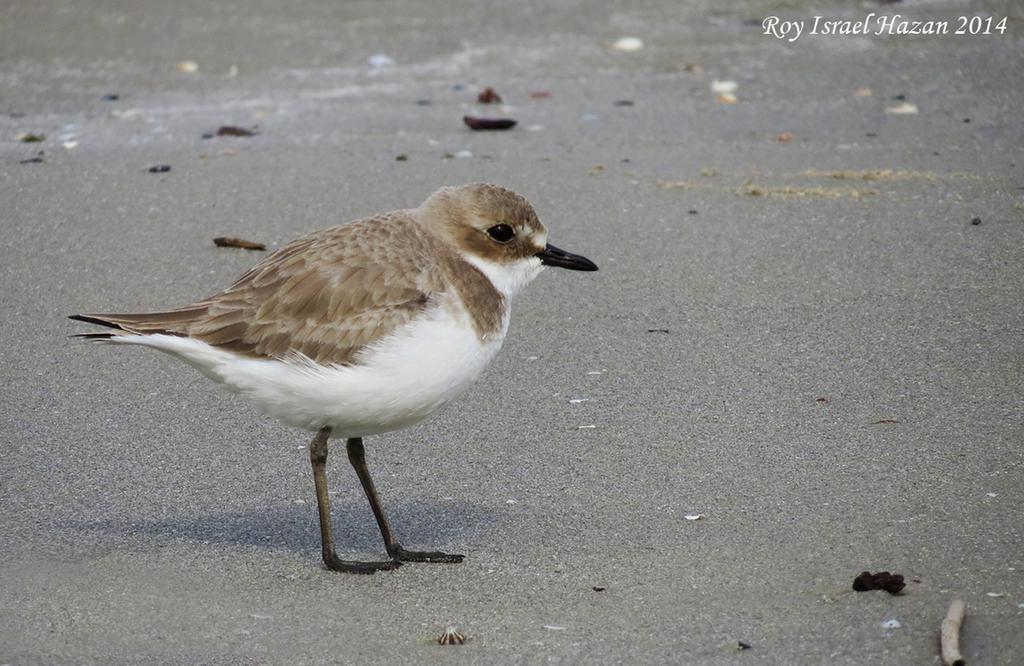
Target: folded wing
326	296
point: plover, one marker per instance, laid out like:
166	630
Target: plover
363	328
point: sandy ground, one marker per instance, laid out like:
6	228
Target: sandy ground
806	342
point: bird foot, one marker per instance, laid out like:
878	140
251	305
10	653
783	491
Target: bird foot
335	563
437	557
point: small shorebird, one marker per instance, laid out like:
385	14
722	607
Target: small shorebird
363	328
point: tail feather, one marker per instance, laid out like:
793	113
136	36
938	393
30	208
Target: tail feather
173	322
98	336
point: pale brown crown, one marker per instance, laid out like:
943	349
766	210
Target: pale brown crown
463	215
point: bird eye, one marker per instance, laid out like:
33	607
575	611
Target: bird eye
501	233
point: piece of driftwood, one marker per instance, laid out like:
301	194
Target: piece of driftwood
949	637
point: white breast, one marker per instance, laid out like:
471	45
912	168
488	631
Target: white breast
399	381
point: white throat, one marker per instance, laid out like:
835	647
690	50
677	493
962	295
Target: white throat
509	279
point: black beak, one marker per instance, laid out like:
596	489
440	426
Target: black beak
552	256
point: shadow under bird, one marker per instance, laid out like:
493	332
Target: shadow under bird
363	328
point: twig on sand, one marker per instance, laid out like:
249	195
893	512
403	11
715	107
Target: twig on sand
949	638
228	241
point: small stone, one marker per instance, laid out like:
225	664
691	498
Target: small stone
883	580
976	221
488	123
234	130
160	168
488	96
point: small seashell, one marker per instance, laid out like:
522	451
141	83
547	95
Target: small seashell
906	108
723	87
451	637
628	44
188	67
380	60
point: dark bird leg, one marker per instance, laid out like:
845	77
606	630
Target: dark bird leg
318	458
357	456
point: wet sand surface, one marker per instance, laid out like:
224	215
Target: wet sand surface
797	334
